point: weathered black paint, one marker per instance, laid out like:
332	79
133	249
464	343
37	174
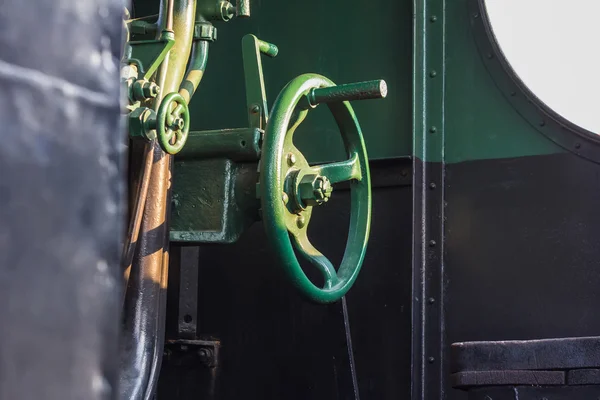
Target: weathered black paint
522	249
61	190
277	345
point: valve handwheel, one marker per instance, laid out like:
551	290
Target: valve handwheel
289	187
172	123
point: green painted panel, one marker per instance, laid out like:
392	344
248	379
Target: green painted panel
346	41
480	122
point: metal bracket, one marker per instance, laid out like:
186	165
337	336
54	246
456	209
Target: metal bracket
256	95
147	55
240	144
206	351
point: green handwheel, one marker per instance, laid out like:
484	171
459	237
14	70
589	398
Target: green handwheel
289	187
172	123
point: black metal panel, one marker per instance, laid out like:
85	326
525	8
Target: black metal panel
536	393
564	353
522	249
428	282
61	190
275	344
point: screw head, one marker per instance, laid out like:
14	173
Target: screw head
205	355
291	159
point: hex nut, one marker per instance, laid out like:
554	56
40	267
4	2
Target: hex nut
150	89
314	189
141	122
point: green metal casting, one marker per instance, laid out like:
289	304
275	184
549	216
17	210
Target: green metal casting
220	206
289	188
214	200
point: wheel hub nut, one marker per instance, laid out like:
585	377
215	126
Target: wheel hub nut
314	189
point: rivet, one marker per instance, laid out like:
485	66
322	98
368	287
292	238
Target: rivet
432	243
476	15
433	129
291	159
433	18
285	198
431	360
577	145
542	123
300	221
254	109
404	173
513	93
431	300
433	74
490	56
432	185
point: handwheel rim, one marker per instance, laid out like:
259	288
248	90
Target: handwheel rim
272	183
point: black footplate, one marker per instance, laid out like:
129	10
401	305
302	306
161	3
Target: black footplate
528	369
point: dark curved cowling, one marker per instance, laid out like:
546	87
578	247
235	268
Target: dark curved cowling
61	206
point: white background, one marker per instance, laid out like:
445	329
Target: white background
554	46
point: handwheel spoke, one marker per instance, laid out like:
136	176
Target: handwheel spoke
340	171
178	110
316	258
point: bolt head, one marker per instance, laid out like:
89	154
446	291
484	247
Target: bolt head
291	159
227	10
150	90
300	221
314	189
254	109
140	120
178	123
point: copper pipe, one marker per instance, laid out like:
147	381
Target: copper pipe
141	193
145	303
